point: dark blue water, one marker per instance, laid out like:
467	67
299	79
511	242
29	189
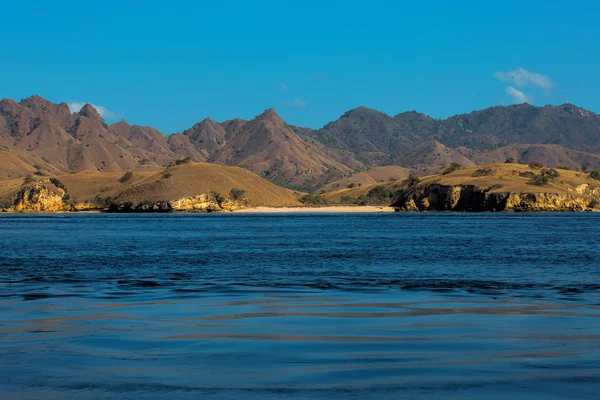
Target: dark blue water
348	306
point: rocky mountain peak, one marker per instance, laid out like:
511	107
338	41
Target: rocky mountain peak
89	111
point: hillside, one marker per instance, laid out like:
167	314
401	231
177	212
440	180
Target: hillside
80	141
378	139
369	177
484	188
267	146
181	181
44	138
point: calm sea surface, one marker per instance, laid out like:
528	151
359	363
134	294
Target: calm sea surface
300	306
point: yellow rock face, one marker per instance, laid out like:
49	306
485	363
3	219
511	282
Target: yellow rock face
38	198
546	202
436	197
203	203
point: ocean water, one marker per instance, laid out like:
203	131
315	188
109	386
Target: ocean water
300	306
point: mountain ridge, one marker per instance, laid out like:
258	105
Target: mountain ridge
51	137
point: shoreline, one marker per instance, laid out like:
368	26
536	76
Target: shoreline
325	209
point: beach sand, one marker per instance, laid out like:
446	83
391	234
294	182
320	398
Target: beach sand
332	209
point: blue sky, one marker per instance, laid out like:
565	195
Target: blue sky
171	64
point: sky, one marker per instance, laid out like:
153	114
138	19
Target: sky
172	64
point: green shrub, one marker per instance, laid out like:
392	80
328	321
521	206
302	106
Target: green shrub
58	184
451	168
28	179
126	176
237	194
550	173
350	186
595	174
535	165
527	174
106	202
495	186
483	172
412	180
539	180
509	160
5	203
167	175
218	197
545	176
312	199
347	199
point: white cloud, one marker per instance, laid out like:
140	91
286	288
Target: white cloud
522	77
297	103
103	111
283	87
518	96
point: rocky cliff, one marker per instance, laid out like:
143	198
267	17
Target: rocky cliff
38	198
206	202
439	197
50	195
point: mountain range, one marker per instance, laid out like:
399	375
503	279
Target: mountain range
38	136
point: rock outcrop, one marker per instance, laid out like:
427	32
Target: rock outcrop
206	202
38	198
50	195
438	197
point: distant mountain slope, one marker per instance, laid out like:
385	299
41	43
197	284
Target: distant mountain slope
378	139
46	138
78	141
433	154
363	130
207	136
267	146
566	125
550	155
369	177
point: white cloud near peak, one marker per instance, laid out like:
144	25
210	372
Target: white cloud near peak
518	96
297	103
103	111
522	77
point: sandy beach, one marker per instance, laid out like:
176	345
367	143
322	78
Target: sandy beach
332	209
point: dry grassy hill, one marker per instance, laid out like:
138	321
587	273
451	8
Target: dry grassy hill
176	182
491	178
369	177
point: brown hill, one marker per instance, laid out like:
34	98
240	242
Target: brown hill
77	141
18	163
148	139
207	137
366	132
181	145
267	146
433	156
369	177
566	125
46	138
176	182
550	155
378	139
495	178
